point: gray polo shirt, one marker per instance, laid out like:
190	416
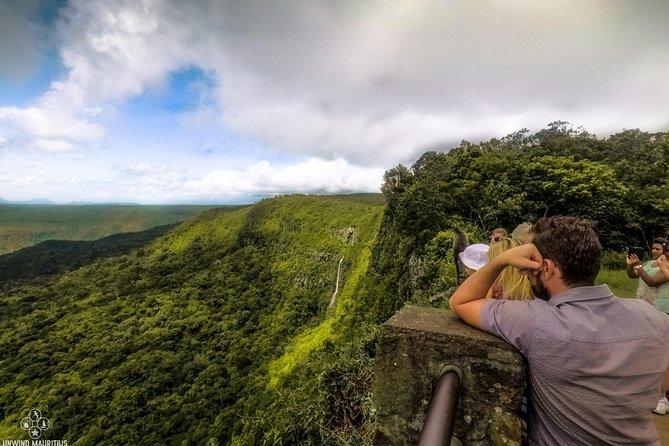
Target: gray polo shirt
595	364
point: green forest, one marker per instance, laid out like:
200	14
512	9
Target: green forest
225	330
26	225
191	334
57	256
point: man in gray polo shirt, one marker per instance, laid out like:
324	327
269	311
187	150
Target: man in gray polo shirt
597	363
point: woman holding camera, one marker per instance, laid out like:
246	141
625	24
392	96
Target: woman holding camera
654	288
653	285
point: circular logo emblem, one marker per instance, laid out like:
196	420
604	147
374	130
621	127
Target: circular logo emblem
26	423
35	433
43	423
35	424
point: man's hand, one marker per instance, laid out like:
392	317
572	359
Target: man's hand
525	257
467	300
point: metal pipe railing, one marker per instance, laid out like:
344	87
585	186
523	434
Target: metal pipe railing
438	426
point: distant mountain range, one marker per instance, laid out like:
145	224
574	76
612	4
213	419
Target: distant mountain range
23	225
33	201
45	201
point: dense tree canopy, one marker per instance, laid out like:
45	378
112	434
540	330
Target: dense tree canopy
57	256
619	184
173	343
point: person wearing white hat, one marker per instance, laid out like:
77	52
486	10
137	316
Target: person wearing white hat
474	257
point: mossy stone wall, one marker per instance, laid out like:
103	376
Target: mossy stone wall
417	345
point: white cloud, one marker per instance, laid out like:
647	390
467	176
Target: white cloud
144	168
51	129
312	175
109	54
372	82
54	145
50	176
51	122
382	80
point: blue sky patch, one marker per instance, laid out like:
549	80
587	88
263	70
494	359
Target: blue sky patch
185	89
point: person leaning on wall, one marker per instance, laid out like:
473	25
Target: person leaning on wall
511	283
596	362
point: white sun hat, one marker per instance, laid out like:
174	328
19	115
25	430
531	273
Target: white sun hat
475	256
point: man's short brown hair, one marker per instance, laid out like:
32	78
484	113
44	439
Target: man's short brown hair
572	245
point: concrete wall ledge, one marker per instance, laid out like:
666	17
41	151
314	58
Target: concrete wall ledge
417	345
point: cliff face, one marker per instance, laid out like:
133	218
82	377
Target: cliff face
197	337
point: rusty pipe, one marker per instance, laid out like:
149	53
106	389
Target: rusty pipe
440	418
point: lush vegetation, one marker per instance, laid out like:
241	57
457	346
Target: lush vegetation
220	331
617	280
200	335
618	184
26	225
57	256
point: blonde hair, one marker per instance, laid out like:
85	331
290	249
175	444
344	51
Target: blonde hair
521	232
515	285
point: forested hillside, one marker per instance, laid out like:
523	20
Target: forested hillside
201	335
27	225
227	329
57	256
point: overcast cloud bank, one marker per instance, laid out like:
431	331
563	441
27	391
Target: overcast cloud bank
356	86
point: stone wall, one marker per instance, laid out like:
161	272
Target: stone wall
417	345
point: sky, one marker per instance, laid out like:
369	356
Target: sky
203	101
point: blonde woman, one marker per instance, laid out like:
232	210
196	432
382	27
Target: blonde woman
523	233
511	283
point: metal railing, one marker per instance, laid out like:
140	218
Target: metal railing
438	426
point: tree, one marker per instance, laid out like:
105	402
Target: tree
396	180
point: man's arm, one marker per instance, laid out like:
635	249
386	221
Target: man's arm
467	300
665	382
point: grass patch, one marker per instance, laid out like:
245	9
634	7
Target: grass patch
617	280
